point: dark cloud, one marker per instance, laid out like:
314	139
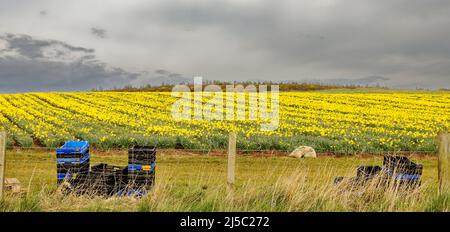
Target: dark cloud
161	76
403	39
29	47
373	80
365	81
43	13
162	72
98	32
29	64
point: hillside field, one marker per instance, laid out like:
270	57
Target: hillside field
350	121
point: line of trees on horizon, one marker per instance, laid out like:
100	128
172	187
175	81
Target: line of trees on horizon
283	86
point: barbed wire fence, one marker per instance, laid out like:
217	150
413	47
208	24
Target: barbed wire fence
241	151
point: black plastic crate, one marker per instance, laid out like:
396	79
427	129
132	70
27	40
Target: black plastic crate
71	170
103	179
132	182
72	180
402	165
77	168
89	184
82	170
367	171
396	171
109	173
74	160
392	162
76	155
408	170
141	172
141	179
141	161
142	155
140	176
145	184
142	150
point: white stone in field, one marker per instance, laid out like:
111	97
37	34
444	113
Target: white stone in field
304	152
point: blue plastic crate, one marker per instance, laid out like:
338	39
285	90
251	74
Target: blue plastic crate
131	193
73	147
81	160
407	177
140	167
62	176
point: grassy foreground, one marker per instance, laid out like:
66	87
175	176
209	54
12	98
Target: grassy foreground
194	182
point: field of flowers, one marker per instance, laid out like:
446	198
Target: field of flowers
341	122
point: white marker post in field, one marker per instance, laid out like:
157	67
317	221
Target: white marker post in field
231	161
444	162
2	161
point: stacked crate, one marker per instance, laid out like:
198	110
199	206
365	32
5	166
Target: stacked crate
396	171
72	160
402	170
141	169
103	180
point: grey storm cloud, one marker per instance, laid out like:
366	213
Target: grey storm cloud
43	13
32	48
162	72
98	32
29	64
406	42
364	81
161	76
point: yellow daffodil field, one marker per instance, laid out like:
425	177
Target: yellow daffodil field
341	122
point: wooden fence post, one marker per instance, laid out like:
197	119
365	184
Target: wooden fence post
231	160
443	163
2	161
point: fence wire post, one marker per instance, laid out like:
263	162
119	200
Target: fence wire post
2	161
443	162
231	161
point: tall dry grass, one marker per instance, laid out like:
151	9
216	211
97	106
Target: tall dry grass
301	189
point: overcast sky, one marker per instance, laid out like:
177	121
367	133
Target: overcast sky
77	45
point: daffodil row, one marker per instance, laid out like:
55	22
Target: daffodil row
332	122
